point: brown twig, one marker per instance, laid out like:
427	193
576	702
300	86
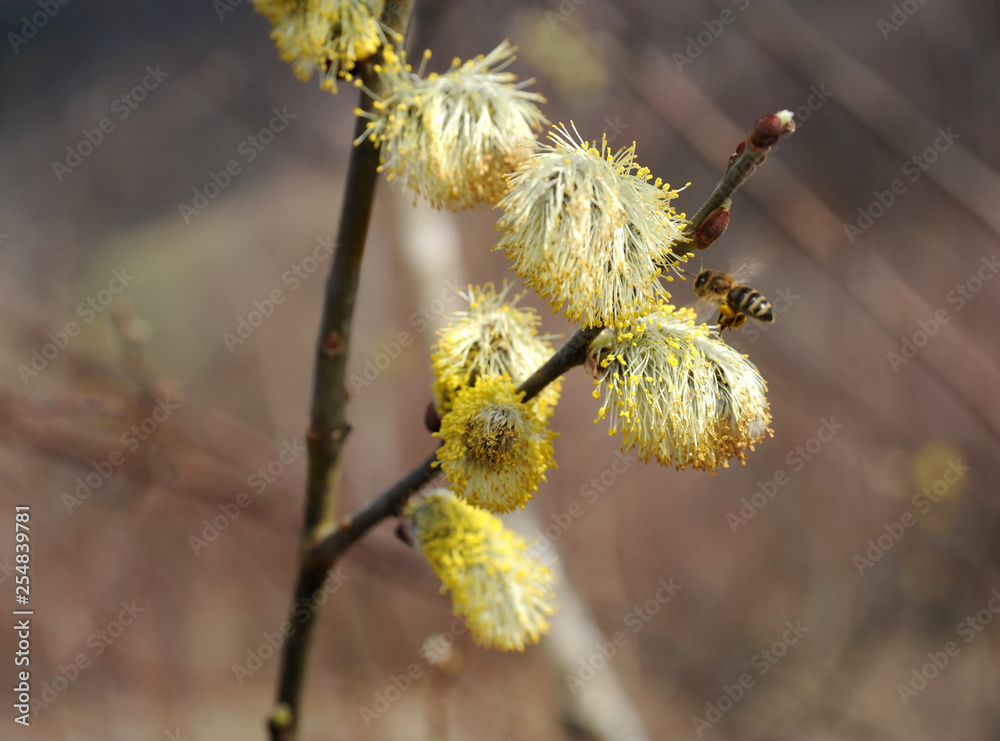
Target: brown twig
749	154
332	545
328	426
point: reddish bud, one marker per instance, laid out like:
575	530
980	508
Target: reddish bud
403	533
769	129
765	132
712	227
432	421
739	150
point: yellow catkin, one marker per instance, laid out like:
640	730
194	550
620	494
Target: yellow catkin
504	594
495	448
453	137
588	231
324	37
678	393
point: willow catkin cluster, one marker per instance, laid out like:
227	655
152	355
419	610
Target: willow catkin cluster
592	232
678	393
588	231
505	595
452	137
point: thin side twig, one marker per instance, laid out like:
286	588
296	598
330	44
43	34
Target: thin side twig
740	168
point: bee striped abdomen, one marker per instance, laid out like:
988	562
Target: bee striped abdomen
746	300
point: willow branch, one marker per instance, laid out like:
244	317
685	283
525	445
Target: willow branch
353	526
333	543
328	426
570	355
323	541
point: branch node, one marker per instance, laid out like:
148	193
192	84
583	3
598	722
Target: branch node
342	431
281	724
333	344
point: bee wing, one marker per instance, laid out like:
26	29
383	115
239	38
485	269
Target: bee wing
706	312
746	269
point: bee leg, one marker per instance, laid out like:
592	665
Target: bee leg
737	320
726	318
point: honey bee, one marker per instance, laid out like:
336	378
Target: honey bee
735	301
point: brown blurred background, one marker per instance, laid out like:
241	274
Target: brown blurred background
871	84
